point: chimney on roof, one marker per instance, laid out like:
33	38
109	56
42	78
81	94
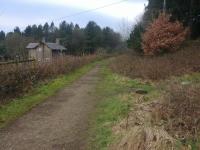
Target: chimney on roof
43	40
58	41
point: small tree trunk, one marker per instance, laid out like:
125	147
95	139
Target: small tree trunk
190	20
164	6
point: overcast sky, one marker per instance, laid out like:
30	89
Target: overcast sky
27	12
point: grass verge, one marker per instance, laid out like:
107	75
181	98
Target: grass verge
114	94
18	107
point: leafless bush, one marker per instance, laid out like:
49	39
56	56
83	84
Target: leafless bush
18	79
159	67
180	111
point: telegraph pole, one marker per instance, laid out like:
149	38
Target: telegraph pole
164	6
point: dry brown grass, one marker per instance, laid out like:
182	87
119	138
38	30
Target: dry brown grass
146	138
180	111
138	132
18	79
168	120
172	123
184	61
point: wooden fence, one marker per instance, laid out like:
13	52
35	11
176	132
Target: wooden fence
5	66
17	62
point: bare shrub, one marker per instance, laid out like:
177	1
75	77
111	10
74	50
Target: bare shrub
17	79
159	67
163	36
180	111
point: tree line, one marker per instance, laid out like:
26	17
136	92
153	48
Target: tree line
77	40
185	11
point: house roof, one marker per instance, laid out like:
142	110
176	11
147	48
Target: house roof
53	46
32	45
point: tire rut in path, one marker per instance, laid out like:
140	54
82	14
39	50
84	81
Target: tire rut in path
60	123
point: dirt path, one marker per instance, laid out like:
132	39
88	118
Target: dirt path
60	123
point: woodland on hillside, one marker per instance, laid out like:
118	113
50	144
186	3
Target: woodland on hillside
77	40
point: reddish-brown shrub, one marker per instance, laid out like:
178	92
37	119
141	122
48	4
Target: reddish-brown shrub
163	36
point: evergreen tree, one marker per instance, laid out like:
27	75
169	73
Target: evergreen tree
110	39
46	30
2	35
39	33
17	30
135	38
28	31
93	37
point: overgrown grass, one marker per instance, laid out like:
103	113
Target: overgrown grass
177	75
185	61
18	107
190	78
179	109
112	107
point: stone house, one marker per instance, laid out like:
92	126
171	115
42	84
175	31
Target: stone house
45	51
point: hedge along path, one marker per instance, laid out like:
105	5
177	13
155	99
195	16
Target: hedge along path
61	122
